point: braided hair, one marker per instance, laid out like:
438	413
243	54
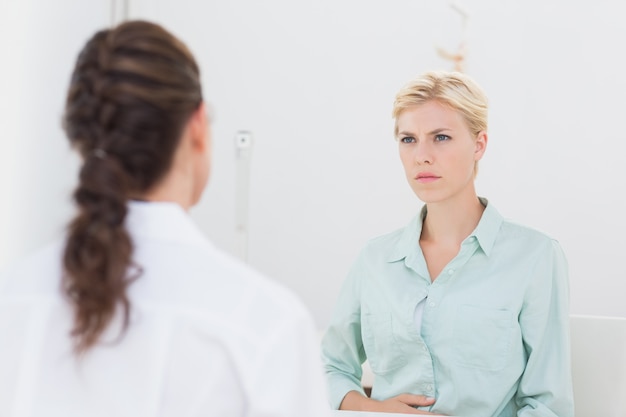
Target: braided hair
132	90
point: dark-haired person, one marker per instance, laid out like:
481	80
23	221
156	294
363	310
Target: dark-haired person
134	312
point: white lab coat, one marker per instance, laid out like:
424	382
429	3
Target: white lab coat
208	336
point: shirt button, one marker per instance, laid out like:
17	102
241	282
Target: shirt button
450	271
431	304
424	348
428	387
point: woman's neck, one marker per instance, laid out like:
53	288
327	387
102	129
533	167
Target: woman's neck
174	188
450	222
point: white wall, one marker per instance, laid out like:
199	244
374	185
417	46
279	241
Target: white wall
314	82
39	41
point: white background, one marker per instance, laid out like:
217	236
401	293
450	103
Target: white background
314	82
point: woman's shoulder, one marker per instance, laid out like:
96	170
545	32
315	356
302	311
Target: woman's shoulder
386	239
209	280
515	237
392	245
265	287
515	230
232	295
36	273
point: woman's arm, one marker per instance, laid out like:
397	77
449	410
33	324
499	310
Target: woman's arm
403	403
545	388
342	346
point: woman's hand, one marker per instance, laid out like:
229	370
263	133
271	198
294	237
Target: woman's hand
403	403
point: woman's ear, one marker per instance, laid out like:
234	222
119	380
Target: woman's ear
199	128
481	145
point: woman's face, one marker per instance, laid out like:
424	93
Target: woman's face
438	151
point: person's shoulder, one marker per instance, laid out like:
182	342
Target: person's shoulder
36	273
261	287
527	235
384	243
211	281
519	229
386	239
388	246
245	303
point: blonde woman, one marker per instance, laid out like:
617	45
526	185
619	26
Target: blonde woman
461	312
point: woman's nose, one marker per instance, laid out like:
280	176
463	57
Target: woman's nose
423	153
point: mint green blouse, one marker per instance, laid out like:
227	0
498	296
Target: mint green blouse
494	337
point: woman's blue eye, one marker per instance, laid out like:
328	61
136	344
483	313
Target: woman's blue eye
407	139
441	138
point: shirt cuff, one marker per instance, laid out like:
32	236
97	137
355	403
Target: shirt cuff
338	387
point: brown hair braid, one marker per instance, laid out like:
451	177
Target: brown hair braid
132	90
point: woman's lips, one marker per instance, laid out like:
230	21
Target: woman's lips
426	177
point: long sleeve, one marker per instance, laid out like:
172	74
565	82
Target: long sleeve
545	389
342	347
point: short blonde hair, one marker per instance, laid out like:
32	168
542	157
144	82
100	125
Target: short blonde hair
453	89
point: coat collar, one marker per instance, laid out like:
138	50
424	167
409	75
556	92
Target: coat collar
163	221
